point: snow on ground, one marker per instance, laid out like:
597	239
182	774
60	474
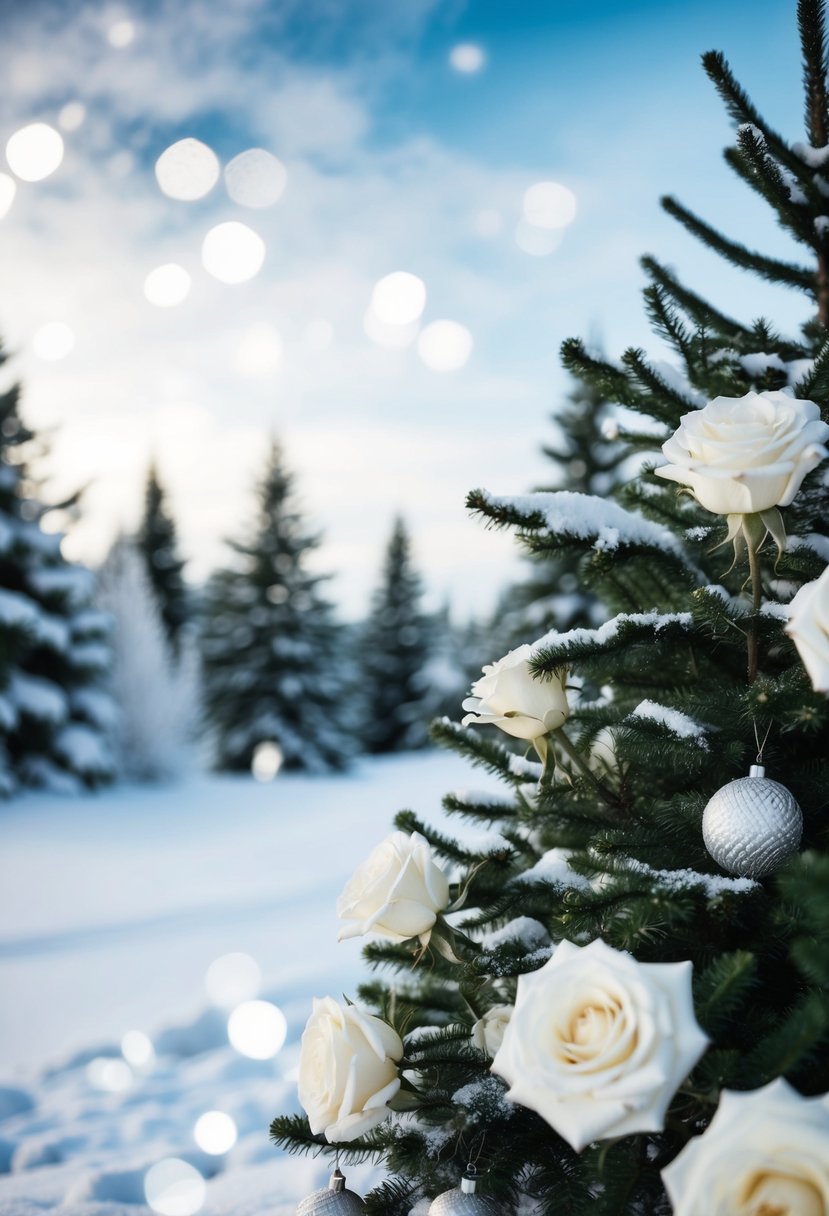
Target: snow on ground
112	908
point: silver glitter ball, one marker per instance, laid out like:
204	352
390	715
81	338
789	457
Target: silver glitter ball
463	1201
752	825
332	1200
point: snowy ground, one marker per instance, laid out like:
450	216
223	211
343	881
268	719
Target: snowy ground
111	910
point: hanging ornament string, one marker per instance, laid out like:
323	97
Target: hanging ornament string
761	746
465	1200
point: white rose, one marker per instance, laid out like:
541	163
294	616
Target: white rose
766	1151
743	455
508	696
347	1070
809	626
397	892
488	1031
599	1043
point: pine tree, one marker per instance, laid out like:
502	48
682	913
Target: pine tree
585	460
270	645
155	694
394	654
158	543
697	676
55	714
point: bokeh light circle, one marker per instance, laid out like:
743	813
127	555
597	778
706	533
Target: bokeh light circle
398	298
173	1187
72	116
34	152
232	978
232	252
215	1132
549	205
257	1029
445	346
111	1075
8	189
187	170
53	341
137	1049
121	34
267	761
167	285
467	57
255	178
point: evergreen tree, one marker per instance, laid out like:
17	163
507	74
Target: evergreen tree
586	461
270	646
394	654
612	1088
155	695
159	546
54	647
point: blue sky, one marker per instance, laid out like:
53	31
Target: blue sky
392	156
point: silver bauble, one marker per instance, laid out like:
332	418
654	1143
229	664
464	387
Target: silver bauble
463	1201
752	825
333	1200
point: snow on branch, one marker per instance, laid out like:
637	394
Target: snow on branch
557	647
585	517
680	725
690	880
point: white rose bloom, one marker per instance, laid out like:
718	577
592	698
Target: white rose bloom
809	626
599	1043
488	1031
509	697
347	1070
766	1151
397	892
744	455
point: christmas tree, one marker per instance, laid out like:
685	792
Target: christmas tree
158	543
55	714
393	655
270	645
618	1002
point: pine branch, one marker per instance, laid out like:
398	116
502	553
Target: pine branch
742	110
698	310
481	750
786	273
393	1197
608	380
663	401
751	162
721	989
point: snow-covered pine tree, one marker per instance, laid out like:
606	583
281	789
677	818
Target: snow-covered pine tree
154	694
554	1032
393	655
54	647
271	651
587	461
158	543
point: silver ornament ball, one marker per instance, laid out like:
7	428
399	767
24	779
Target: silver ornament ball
752	825
332	1200
464	1201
